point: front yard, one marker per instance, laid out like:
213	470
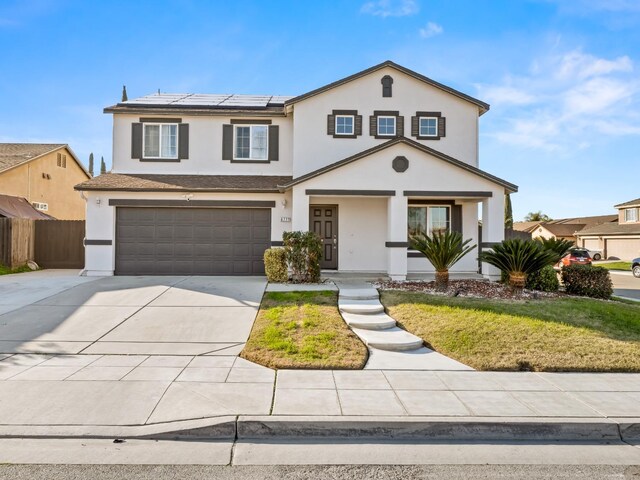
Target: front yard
7	271
615	266
303	330
554	334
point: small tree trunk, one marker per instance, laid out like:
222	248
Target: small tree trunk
517	281
442	280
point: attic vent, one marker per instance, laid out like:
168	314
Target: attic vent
43	207
386	81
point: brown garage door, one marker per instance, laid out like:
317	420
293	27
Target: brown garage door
191	241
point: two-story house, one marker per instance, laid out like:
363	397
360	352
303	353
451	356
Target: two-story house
203	184
619	239
44	174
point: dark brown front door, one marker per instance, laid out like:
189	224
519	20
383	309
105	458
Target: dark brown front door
323	220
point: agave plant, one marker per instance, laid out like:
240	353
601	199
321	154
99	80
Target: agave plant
443	250
517	258
556	245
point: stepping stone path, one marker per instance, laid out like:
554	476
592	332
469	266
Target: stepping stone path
363	312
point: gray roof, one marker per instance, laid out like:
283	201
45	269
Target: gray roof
611	229
365	153
120	182
563	229
15	154
631	203
200	101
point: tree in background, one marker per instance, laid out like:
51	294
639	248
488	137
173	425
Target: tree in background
124	93
91	164
537	217
508	212
103	166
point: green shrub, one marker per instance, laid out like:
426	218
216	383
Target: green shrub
587	281
556	245
544	280
275	265
303	251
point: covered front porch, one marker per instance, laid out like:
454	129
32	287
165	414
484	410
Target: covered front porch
365	232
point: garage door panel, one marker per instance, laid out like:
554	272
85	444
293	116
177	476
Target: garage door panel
186	241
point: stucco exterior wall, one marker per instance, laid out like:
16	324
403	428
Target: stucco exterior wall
205	149
313	148
27	181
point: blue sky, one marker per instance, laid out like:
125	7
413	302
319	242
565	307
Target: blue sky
561	75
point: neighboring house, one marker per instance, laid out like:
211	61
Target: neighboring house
18	207
619	239
45	175
203	184
563	228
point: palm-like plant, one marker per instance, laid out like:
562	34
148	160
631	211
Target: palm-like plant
518	258
443	250
556	245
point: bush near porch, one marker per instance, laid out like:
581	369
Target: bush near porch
549	334
303	330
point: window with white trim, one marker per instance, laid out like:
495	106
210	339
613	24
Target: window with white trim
428	127
160	140
631	215
429	219
386	126
251	142
344	124
43	207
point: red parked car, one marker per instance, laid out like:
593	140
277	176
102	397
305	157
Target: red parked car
578	256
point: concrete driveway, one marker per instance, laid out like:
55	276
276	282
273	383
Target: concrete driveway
59	312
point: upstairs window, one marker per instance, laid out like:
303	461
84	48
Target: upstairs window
386	126
160	140
386	81
251	142
344	125
428	127
631	215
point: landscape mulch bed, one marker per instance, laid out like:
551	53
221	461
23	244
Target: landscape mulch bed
466	288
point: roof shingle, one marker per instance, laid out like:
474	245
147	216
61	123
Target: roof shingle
184	183
611	229
14	154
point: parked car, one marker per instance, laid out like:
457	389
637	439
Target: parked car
595	254
635	267
578	256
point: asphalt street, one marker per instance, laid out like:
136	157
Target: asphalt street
625	285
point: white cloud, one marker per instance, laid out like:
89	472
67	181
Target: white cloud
431	30
390	8
565	101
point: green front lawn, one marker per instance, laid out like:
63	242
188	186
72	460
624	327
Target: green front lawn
303	330
6	270
615	266
560	334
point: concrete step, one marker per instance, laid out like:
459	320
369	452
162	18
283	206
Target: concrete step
394	339
359	293
377	321
364	307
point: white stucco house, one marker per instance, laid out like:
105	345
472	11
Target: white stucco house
203	184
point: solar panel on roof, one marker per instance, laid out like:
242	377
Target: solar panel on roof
209	100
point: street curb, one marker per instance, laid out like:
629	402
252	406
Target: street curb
433	428
263	428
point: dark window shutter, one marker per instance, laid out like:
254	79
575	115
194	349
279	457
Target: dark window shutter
456	218
373	125
357	129
136	140
442	127
415	127
227	142
331	124
400	126
183	141
386	81
273	142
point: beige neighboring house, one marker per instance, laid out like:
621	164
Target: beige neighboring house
563	228
619	239
44	174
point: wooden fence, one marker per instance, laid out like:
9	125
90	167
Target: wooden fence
51	243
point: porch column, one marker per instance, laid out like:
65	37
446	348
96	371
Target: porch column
397	212
299	209
492	229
